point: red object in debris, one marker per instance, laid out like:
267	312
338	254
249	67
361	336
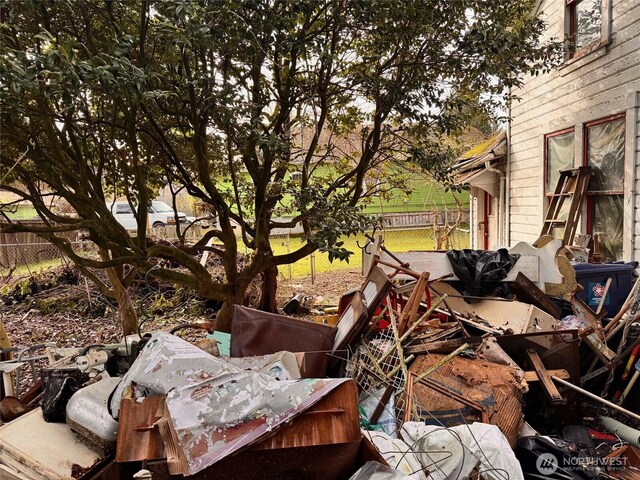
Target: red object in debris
595	434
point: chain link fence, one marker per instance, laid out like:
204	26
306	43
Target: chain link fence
396	240
20	258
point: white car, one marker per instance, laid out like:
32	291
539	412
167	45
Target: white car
159	215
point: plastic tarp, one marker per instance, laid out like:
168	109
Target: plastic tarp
387	421
397	454
452	453
476	268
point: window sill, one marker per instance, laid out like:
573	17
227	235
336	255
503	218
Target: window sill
583	56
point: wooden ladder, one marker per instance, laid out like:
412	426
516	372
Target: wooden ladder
573	184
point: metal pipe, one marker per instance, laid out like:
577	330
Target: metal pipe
630	385
597	398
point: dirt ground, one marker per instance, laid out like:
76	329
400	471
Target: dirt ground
327	287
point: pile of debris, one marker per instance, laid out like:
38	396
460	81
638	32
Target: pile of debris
441	365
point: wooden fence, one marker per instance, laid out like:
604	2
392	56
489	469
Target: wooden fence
26	248
421	219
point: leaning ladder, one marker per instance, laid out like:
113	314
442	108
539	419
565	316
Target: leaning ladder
572	184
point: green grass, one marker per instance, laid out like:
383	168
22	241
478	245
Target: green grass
22	212
396	241
32	268
423	194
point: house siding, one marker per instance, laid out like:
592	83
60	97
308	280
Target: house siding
635	207
604	82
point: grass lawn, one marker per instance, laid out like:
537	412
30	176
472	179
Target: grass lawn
33	268
394	240
425	194
22	212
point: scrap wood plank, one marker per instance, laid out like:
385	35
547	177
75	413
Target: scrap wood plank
583	311
444	346
533	376
411	308
526	291
596	340
604	353
544	377
443	390
138	439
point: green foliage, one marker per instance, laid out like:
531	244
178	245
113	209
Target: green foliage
226	99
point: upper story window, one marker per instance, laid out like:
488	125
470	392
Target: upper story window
584	23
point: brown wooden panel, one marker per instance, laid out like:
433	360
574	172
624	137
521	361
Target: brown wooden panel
137	440
334	419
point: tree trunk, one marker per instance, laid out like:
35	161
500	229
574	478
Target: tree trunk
223	318
269	288
126	311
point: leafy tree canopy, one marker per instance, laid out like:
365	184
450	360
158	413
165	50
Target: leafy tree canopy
226	99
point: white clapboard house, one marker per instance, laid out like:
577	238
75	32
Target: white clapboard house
585	112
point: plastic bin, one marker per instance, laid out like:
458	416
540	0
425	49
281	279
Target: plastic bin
593	278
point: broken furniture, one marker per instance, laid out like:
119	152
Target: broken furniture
254	332
465	390
323	442
496	315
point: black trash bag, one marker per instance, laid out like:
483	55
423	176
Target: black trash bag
479	269
541	459
59	387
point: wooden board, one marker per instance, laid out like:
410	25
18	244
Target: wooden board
44	451
137	439
544	378
526	291
333	420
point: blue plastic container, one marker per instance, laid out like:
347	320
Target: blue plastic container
593	278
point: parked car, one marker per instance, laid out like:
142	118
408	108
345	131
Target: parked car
159	215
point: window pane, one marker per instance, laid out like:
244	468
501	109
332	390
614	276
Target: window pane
588	20
560	152
607	221
605	154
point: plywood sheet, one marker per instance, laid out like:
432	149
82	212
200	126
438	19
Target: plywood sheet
47	451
